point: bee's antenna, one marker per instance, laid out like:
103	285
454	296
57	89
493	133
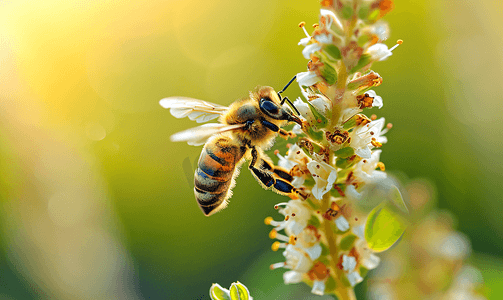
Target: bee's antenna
283	99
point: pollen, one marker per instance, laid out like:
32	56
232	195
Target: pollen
287	217
399	42
275	246
316	25
273	234
375	143
373	117
302	24
326	2
276	152
292	240
293	214
381	166
389	126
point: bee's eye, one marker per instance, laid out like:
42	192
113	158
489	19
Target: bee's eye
268	106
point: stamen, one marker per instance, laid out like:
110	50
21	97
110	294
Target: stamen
292	240
277	245
316	25
381	166
373	117
268	220
287	217
302	25
276	152
398	43
277	265
280	236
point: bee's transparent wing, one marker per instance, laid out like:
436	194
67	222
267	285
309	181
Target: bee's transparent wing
198	135
197	110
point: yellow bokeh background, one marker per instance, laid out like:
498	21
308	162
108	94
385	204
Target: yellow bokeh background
96	202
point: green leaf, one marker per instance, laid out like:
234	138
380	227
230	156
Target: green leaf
219	293
330	285
328	72
385	225
363	272
321	121
239	291
314	221
364	60
315	135
396	198
324	249
374	15
347	12
333	51
347	242
363	12
345	152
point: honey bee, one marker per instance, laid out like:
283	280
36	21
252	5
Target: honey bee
246	128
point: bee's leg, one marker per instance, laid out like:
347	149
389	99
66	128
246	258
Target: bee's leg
283	133
271	176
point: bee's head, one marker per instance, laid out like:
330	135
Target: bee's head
270	105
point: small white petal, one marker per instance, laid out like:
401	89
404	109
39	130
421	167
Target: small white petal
359	231
310	49
294	228
290	277
307	78
379	52
348	263
305	41
324	176
329	14
341	223
320	105
377	102
371	261
363	152
354	278
324	38
314	252
352	193
318	288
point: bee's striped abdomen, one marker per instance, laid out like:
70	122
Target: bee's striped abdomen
215	172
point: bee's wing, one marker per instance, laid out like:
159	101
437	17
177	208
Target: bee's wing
198	135
197	110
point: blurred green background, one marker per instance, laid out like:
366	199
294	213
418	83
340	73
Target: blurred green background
95	202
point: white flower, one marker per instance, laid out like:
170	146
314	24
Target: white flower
307	78
365	169
296	260
331	17
295	225
366	257
324	38
318	287
379	52
341	223
324	176
290	277
364	137
351	193
354	278
377	102
303	109
314	252
310	49
381	30
348	263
